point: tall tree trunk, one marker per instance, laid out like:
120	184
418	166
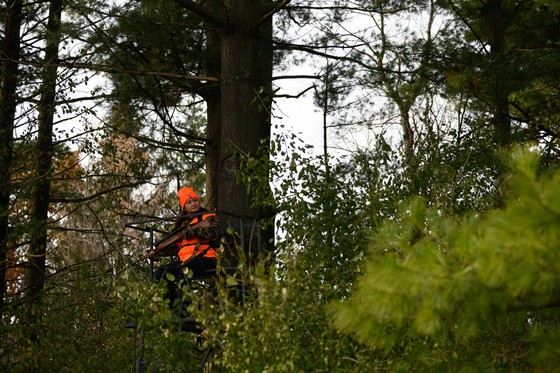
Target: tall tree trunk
239	110
212	152
35	275
10	49
212	96
501	117
246	76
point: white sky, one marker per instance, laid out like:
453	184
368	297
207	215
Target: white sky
299	115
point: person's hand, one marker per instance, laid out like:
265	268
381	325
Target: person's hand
188	232
150	255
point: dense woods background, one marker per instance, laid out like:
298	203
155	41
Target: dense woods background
432	246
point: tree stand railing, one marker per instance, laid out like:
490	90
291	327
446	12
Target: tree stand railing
241	233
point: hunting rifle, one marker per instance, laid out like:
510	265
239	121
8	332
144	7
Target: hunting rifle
172	238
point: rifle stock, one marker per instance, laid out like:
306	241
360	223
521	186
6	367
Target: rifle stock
171	239
174	237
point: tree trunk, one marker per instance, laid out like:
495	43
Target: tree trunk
246	77
408	139
239	109
213	133
10	48
212	96
501	117
35	275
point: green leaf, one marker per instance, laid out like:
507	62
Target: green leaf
231	281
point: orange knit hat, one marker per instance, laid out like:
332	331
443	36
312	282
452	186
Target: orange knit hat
185	194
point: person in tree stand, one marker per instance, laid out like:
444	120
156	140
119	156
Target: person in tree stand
197	245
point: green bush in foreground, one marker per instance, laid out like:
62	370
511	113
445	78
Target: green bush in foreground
480	292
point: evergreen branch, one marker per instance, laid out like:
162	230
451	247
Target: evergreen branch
358	9
165	144
113	70
200	11
316	52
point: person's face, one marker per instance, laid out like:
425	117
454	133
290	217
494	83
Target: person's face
191	206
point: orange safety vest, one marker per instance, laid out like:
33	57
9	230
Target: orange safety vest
191	247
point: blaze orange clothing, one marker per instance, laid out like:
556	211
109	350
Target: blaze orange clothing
184	194
194	246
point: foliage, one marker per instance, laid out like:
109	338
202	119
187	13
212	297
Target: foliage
439	286
162	345
507	48
81	324
323	243
283	326
457	171
285	329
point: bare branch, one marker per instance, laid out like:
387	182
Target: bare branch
99	194
276	9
